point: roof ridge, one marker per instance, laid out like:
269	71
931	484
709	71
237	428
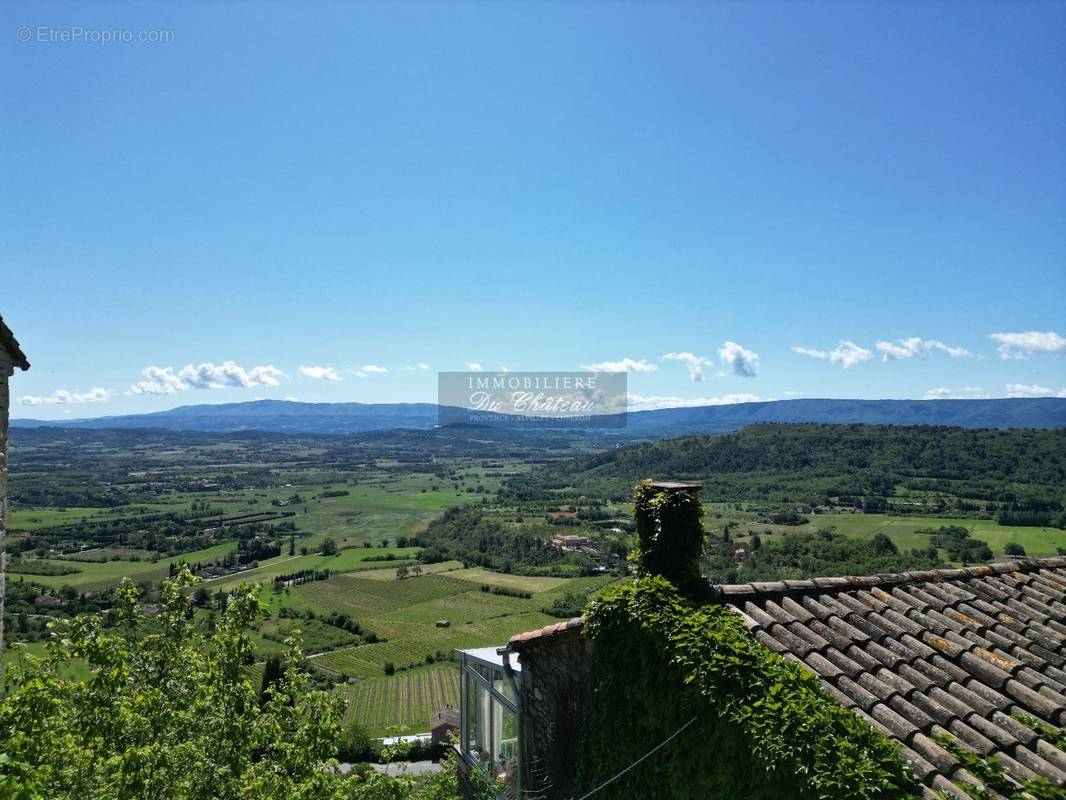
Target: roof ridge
785	587
9	343
554	629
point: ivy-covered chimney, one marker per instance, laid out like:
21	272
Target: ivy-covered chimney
670	528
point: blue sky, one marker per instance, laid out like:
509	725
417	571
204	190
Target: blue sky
534	186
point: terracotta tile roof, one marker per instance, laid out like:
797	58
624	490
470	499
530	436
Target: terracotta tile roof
956	652
559	628
11	345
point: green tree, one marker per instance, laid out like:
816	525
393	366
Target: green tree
166	713
355	743
329	547
170	714
272	673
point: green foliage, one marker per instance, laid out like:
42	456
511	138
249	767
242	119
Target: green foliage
845	465
166	713
764	729
272	673
823	553
1013	549
355	744
170	714
36	566
995	783
568	605
1053	735
956	540
670	533
467	534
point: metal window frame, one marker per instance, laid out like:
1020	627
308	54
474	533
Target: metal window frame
467	663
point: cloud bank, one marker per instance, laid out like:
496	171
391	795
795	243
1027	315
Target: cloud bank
63	397
916	347
638	402
1022	345
164	380
625	365
1029	390
847	354
320	373
367	370
965	393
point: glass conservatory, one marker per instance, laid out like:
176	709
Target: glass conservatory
488	735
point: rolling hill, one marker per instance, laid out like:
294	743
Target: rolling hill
281	416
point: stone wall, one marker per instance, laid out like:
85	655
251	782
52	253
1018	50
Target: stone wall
554	680
6	369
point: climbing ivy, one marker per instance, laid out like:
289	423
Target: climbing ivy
670	536
764	728
1056	737
994	781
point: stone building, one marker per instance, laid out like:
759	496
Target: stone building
962	653
443	724
11	356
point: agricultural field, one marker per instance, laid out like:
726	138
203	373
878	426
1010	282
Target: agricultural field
406	612
389	573
903	530
404	701
97	575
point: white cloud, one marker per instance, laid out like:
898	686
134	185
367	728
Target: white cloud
916	347
625	365
965	393
62	397
229	375
473	366
419	366
694	363
744	362
846	353
791	393
367	370
164	380
320	373
1028	390
1023	345
159	380
650	402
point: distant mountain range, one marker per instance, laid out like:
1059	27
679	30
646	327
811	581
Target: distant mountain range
282	416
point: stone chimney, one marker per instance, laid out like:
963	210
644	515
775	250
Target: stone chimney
670	528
